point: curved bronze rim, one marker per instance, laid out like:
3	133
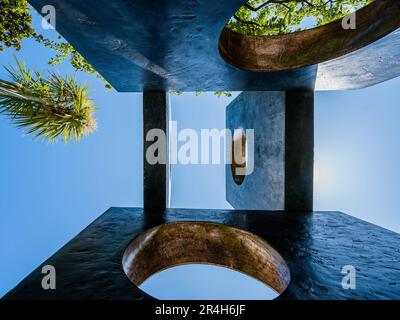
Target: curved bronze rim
309	47
179	243
241	164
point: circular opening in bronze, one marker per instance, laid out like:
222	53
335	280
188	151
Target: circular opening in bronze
181	243
259	53
239	156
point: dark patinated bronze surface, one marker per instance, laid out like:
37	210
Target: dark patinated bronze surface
140	45
316	246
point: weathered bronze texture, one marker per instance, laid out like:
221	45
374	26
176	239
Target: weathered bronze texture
155	178
315	247
179	243
142	45
282	165
309	47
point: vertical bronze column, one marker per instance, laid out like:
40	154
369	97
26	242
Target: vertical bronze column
283	157
155	123
299	150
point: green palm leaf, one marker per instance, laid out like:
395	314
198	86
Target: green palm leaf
52	108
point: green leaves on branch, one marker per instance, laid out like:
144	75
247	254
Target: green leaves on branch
53	108
15	23
223	93
276	17
64	50
198	93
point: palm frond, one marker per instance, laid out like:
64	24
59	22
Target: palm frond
52	108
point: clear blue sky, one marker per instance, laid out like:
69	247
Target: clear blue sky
51	192
205	282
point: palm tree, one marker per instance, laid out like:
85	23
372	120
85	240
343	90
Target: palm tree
56	108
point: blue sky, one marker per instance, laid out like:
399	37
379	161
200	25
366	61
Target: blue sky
50	192
194	282
357	154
